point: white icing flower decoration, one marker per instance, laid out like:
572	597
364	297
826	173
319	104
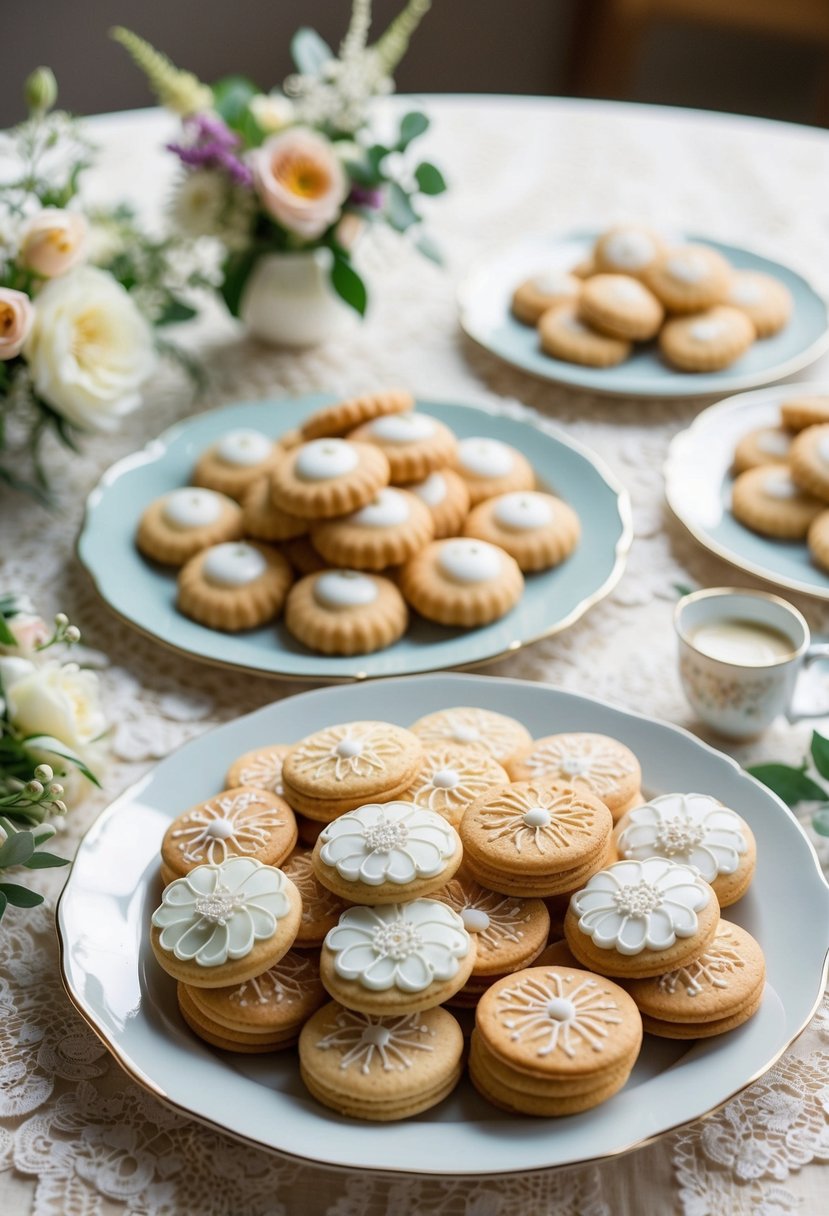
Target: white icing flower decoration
694	829
394	842
404	946
218	912
636	905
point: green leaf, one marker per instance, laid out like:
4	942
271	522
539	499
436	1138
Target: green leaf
682	589
310	52
231	97
790	784
399	211
820	821
47	743
348	284
3	905
20	897
45	861
17	849
6	635
820	753
412	125
429	248
429	178
236	272
174	312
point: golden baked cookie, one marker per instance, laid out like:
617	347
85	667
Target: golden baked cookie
538	530
397	958
763	445
446	495
236	461
328	477
564	335
291	439
585	267
627	249
707	341
380	1069
344	416
260	768
452	777
596	763
695	830
490	467
239	822
768	501
689	278
263	521
541	291
800	412
636	919
321	908
346	612
462	582
180	524
387	531
302	555
809	460
414	444
501	736
621	307
225	923
234	586
818	540
765	300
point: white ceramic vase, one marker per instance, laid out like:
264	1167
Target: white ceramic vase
289	301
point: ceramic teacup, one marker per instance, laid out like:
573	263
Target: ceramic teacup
740	655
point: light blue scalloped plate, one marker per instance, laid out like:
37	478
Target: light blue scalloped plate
484	299
144	595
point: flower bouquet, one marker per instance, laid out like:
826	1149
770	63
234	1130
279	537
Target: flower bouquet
288	180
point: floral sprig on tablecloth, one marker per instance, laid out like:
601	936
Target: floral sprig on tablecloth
298	168
797	787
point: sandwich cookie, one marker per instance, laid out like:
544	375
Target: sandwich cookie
596	763
240	822
502	737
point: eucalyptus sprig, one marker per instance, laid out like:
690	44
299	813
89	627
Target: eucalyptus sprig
795	785
24	807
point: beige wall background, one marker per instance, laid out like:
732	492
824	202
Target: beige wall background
491	46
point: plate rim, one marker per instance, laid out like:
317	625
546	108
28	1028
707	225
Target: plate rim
676	447
155	448
137	1074
810	354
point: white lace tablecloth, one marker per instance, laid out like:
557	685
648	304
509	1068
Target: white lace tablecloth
76	1136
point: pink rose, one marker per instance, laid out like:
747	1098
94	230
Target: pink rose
53	241
16	316
300	181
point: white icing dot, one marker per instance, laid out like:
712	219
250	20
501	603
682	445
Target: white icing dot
780	485
446	778
219	829
233	565
475	920
470	561
347	748
823	448
324	458
192	508
523	511
375	1036
630	249
485	457
574	324
465	734
689	267
344	589
627	291
388	510
774	443
574	766
432	491
556	283
746	292
708	330
403	428
559	1009
536	817
244	448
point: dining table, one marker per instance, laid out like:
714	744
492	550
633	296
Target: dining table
79	1136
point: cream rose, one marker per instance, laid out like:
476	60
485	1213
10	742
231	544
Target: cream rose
53	241
89	349
300	181
272	111
16	316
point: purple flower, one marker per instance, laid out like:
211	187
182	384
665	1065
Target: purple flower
210	145
366	196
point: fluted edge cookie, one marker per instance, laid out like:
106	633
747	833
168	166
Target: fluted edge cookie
180	524
263	521
490	467
387	531
446	495
236	461
621	307
538	530
415	444
345	612
327	477
707	341
462	582
767	500
626	249
533	296
343	416
234	586
565	335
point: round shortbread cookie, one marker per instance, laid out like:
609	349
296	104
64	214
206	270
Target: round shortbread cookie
263	521
321	908
180	524
239	822
385	532
490	467
689	279
625	249
452	777
800	412
809	461
234	586
328	477
302	556
763	445
564	335
503	737
236	461
260	768
707	341
621	307
344	416
768	501
345	612
765	300
414	444
462	582
538	530
596	763
533	296
446	495
509	932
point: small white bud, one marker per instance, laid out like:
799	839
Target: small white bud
61	620
73	634
43	773
34	788
60	808
56	789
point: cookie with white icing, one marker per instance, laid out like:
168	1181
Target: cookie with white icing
543	290
636	919
765	300
328	477
233	463
260	768
553	1041
234	586
502	737
689	278
808	410
263	521
626	249
490	467
346	612
818	540
321	908
380	1068
564	334
180	524
621	307
414	443
224	923
265	1013
809	461
763	445
239	822
387	531
538	530
768	501
343	416
695	830
707	341
462	582
381	853
718	991
397	958
452	777
445	493
597	763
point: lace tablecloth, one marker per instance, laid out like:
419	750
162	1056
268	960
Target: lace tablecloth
76	1136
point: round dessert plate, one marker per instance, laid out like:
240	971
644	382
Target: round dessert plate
144	594
698	485
111	975
484	299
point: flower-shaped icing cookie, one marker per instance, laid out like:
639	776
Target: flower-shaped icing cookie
589	761
224	923
397	958
236	461
382	852
453	777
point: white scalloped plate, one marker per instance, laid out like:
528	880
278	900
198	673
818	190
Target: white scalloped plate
112	977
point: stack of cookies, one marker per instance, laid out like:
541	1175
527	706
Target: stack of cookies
634	288
438	869
781	487
371	509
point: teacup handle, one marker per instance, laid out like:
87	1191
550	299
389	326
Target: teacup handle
817	651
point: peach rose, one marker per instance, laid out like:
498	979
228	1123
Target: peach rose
300	181
53	241
16	316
